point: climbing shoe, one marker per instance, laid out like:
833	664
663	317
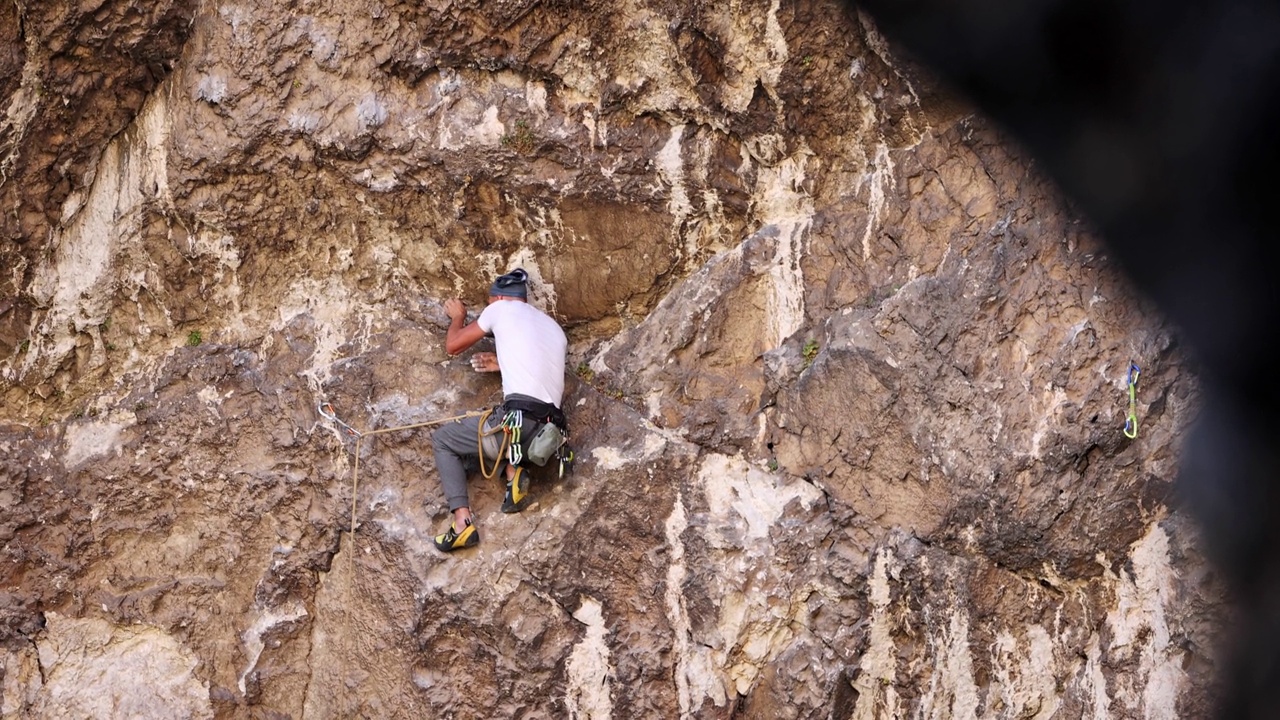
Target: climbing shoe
454	540
517	492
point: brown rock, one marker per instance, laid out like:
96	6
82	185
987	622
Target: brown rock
847	396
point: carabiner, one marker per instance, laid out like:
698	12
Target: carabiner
326	411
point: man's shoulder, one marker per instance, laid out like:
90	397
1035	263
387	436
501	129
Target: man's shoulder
516	310
527	310
546	318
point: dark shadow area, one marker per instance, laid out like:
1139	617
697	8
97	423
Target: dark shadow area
1162	121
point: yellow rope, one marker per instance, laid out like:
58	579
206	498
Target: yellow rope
355	472
502	447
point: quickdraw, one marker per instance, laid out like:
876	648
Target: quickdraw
512	424
1131	422
566	457
326	411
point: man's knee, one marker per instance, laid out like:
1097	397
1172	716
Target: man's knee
453	439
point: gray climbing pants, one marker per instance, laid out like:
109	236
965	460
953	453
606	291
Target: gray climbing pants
457	452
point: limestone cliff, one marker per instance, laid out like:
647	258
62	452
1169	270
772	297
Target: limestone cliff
848	394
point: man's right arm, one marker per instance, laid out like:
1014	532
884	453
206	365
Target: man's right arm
459	337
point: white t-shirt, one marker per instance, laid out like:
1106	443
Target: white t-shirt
531	349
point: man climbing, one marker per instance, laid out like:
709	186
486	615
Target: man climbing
531	350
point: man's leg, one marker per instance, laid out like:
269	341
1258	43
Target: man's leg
454	444
517	489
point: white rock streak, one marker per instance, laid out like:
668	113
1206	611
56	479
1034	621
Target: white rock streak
744	503
91	439
489	131
676	612
776	42
1138	627
1023	673
951	691
757	47
877	697
781	201
1095	682
670	167
749	630
20	683
880	181
77	285
589	695
696	678
738	492
535	94
609	458
267	619
1027	679
95	669
330	304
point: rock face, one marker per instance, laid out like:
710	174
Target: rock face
848	394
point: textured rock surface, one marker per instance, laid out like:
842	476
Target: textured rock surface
848	398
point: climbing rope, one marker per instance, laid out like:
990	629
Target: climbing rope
480	435
1131	422
510	445
326	411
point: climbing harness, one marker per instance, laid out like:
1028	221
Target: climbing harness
549	439
1131	422
326	411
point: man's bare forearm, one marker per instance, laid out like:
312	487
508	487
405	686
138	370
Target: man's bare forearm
460	335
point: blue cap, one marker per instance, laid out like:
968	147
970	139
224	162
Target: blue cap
513	284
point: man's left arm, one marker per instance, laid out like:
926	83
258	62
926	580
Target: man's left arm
485	362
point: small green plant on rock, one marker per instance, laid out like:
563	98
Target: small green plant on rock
585	372
521	139
809	351
194	338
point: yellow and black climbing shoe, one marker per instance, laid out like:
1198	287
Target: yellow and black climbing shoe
517	492
454	540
